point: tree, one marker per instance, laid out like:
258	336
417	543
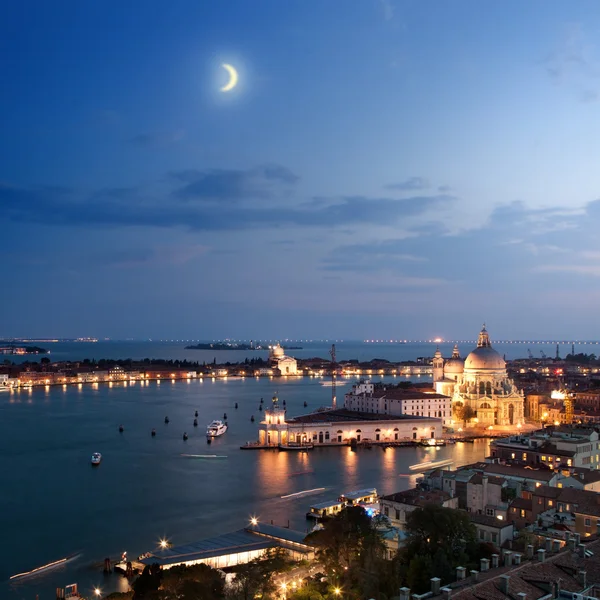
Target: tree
257	576
146	585
445	536
462	412
419	574
198	582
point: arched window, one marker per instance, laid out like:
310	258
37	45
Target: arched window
481	388
377	434
488	388
485	405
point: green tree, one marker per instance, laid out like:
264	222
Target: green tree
146	585
419	574
198	582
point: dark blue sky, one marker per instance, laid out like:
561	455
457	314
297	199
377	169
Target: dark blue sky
383	168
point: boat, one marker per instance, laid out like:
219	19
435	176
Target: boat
52	565
195	422
215	429
166	420
96	458
185	436
153	433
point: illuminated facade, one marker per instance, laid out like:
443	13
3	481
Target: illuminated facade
482	383
339	427
285	365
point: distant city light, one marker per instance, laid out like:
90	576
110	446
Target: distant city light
253	521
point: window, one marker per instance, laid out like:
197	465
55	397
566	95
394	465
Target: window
494	537
522	513
550	503
524	455
397	515
482	535
588	522
489	512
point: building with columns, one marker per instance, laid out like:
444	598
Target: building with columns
482	383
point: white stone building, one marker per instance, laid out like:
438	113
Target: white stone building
388	400
285	365
339	427
482	383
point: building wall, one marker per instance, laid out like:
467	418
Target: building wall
397	512
494	535
484	496
275	430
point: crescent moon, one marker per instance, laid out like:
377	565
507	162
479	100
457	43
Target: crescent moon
233	78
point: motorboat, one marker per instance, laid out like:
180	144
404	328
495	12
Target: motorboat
96	458
215	429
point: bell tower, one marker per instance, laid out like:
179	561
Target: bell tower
438	366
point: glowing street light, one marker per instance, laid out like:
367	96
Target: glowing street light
97	592
253	521
164	543
337	591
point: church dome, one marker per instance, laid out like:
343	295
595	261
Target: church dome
277	351
454	365
484	357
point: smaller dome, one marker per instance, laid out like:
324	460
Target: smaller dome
454	366
277	351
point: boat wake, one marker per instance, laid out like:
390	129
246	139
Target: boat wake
44	568
305	493
430	465
203	456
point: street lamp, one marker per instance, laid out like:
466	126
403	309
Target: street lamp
253	521
97	592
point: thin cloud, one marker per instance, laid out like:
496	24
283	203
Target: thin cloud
388	9
411	184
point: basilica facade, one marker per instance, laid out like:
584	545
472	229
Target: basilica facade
481	382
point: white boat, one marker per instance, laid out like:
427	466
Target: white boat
215	429
96	458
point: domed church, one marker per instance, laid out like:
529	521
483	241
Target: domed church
481	382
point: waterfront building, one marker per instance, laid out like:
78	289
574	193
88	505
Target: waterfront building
396	507
366	396
231	549
482	383
284	365
566	446
341	426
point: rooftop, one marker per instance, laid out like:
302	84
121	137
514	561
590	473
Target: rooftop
415	497
488	521
259	537
343	415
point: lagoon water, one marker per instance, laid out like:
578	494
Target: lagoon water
54	504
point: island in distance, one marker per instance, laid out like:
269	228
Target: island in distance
234	346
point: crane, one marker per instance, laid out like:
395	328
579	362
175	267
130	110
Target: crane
543	354
333	376
530	353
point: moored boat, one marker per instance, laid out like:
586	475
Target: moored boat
295	447
215	429
96	459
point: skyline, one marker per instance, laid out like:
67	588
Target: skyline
381	170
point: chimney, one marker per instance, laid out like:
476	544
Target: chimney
495	561
474	575
435	585
517	558
446	592
484	565
505	584
541	554
507	558
404	593
582	579
460	573
598	527
522	596
577	538
555	545
548	545
581	550
571	543
530	551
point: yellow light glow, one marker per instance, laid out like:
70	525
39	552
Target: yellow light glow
164	543
253	521
337	591
233	78
98	592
